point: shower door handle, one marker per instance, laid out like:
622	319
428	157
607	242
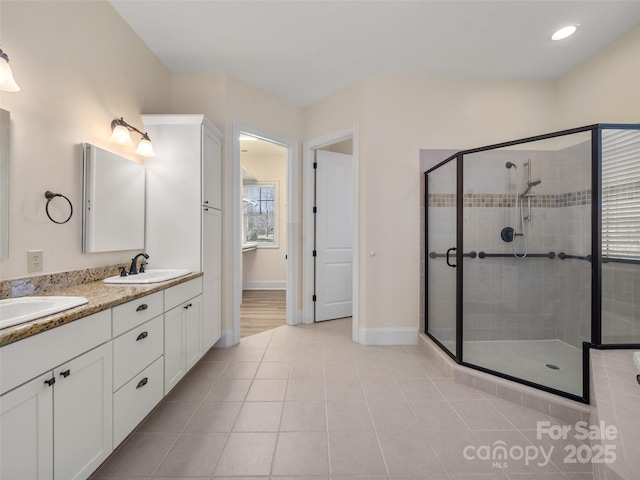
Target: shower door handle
448	252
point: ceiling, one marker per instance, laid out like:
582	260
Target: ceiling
302	50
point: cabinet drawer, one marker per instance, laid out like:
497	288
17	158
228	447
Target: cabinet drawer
174	296
136	312
136	349
25	359
136	399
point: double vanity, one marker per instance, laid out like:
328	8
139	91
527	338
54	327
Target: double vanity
74	384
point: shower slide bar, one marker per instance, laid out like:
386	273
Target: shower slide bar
473	254
563	256
529	255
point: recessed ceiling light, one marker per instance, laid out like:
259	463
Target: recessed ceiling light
564	32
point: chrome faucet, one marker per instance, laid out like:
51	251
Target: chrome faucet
133	269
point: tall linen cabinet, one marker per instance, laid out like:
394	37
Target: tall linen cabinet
184	202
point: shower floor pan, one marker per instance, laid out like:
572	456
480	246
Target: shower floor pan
528	360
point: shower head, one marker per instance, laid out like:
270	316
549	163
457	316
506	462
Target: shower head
509	165
530	185
533	183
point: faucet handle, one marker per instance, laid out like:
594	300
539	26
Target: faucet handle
123	271
142	265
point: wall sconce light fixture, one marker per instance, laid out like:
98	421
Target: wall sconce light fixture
7	82
122	136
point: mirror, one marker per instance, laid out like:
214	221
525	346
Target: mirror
113	202
4	184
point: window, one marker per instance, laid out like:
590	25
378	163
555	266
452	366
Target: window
260	212
621	194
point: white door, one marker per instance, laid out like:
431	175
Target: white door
26	431
82	414
333	235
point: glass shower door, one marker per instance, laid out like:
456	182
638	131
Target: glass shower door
440	275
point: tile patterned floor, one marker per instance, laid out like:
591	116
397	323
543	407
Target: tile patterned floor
306	403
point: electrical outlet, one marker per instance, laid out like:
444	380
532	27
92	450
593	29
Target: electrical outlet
34	261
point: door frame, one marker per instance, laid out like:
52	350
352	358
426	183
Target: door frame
292	236
308	159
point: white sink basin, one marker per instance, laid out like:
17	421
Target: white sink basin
14	311
150	276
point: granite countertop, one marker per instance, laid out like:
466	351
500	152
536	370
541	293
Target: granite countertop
101	297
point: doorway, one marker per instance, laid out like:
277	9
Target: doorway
333	242
265	231
346	142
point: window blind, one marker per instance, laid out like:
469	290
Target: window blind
621	194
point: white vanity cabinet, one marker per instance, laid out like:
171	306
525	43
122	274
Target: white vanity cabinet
67	402
182	331
138	373
184	201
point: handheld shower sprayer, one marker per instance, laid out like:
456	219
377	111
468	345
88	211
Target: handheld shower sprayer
530	185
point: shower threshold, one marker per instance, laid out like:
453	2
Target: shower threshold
529	360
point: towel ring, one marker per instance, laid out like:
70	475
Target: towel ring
49	195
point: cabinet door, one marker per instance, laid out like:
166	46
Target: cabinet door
26	431
192	312
83	414
174	366
211	170
211	254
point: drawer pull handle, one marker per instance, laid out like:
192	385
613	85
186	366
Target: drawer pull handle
142	336
65	374
142	382
188	306
50	382
142	307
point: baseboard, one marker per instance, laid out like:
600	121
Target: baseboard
388	336
226	339
268	285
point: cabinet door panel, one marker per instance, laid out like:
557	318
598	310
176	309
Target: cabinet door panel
193	331
211	249
212	170
83	414
174	367
26	431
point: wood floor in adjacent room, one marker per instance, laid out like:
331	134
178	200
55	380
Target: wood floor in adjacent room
262	310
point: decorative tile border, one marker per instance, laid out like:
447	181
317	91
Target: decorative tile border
501	200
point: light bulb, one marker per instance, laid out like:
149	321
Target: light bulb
7	82
564	32
145	148
121	135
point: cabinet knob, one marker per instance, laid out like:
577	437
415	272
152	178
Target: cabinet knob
206	201
50	382
142	336
142	382
142	307
65	374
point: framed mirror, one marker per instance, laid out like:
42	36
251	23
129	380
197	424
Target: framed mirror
4	183
113	199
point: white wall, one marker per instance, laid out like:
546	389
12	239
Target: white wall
79	66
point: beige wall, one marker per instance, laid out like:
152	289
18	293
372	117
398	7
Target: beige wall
79	66
268	265
605	89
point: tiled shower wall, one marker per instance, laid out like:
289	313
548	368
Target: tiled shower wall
510	298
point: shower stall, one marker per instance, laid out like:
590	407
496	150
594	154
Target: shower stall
532	254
